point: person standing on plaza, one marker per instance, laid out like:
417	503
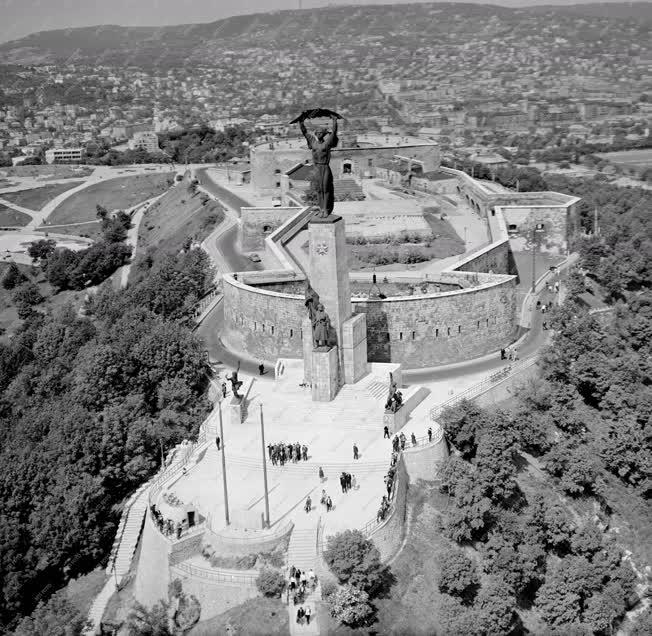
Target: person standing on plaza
261	369
355	451
386	433
218	442
429	434
223	389
321	474
308	504
413	438
307	613
395	443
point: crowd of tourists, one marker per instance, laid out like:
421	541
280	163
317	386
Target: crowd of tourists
281	453
166	526
389	479
298	583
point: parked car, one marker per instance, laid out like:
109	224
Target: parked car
254	258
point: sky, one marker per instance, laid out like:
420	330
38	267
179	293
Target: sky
21	17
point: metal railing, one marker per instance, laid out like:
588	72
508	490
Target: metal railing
478	389
217	576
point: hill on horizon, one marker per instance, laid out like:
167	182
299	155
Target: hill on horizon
166	46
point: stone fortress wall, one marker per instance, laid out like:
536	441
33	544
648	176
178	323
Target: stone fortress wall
354	155
418	330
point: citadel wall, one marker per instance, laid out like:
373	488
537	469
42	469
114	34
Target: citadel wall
413	330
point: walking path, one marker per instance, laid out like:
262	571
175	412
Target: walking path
302	553
122	553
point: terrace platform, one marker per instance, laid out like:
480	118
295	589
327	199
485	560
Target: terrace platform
328	429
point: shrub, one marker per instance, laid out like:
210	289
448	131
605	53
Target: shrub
328	588
458	574
270	582
355	560
13	277
351	606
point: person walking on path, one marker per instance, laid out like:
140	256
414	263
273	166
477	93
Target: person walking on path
402	439
343	482
355	451
429	435
354	482
321	474
218	442
307	613
386	433
223	389
413	438
329	504
395	443
261	369
308	504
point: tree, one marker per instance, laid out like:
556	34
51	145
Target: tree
149	622
270	582
101	212
57	617
26	296
458	575
355	560
461	424
495	605
472	510
41	250
13	277
350	605
456	619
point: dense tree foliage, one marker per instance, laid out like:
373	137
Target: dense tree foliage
87	406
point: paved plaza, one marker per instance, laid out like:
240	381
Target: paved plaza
328	429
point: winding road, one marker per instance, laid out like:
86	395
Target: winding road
533	338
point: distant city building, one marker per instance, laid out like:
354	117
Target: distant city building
147	141
65	155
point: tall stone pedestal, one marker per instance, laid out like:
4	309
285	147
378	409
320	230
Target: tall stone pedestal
395	421
235	410
325	374
354	348
307	344
329	273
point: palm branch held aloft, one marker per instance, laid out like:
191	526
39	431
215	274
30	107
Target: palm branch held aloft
321	143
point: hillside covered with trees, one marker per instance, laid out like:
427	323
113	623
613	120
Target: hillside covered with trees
88	407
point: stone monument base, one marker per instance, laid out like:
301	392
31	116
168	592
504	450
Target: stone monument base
325	374
236	407
395	421
354	348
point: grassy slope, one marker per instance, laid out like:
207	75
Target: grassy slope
36	198
176	216
120	193
12	218
256	617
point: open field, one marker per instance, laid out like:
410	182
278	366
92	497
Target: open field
12	218
53	171
113	194
90	229
641	158
36	198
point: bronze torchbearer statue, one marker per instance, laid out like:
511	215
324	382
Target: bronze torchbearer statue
321	143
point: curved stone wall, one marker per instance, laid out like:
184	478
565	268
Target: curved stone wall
416	331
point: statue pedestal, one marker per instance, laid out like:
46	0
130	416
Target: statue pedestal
325	374
236	408
354	348
395	421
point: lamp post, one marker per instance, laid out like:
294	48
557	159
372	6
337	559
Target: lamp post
226	493
538	228
262	437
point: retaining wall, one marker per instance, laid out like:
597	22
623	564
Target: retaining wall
413	330
388	536
253	543
422	462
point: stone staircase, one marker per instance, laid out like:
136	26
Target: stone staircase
122	554
302	553
348	190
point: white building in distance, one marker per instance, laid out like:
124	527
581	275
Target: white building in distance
147	141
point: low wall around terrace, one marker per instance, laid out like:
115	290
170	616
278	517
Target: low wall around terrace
388	536
422	462
252	542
